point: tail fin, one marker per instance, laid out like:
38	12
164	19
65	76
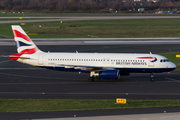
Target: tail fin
24	44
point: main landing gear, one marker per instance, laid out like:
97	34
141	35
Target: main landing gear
152	77
91	79
92	76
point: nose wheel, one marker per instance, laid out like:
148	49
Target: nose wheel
152	77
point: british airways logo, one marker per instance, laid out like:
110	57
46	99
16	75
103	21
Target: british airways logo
20	44
154	59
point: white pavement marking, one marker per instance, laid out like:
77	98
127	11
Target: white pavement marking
107	42
96	41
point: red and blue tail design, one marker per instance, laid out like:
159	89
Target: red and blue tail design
24	44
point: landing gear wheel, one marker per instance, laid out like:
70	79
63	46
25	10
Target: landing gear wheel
152	79
91	79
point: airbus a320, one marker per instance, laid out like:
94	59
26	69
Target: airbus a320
99	65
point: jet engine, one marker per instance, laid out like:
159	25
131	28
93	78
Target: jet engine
108	74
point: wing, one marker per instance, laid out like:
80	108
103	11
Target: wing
82	67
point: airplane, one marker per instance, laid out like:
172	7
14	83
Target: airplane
99	65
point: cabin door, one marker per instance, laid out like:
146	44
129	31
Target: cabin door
40	59
151	64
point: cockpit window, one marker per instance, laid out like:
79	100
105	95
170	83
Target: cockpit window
164	60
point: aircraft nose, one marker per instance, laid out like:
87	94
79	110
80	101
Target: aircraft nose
172	65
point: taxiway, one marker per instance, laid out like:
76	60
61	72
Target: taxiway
23	81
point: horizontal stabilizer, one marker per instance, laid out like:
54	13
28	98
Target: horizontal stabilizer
17	56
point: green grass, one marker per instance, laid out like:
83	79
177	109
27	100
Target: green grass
172	57
9	19
45	105
130	28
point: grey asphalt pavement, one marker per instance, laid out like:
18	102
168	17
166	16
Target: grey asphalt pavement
17	81
84	18
96	41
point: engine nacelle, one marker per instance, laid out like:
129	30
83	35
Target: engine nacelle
108	74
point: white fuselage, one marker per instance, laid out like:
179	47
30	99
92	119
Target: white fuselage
121	61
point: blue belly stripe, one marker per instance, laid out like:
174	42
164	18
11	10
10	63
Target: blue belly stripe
130	70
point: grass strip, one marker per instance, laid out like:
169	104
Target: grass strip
45	105
124	28
10	19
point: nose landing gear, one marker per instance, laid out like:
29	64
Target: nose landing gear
152	77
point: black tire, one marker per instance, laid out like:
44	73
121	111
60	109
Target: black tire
152	79
91	79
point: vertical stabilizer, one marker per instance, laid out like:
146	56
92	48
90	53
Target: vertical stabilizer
24	44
